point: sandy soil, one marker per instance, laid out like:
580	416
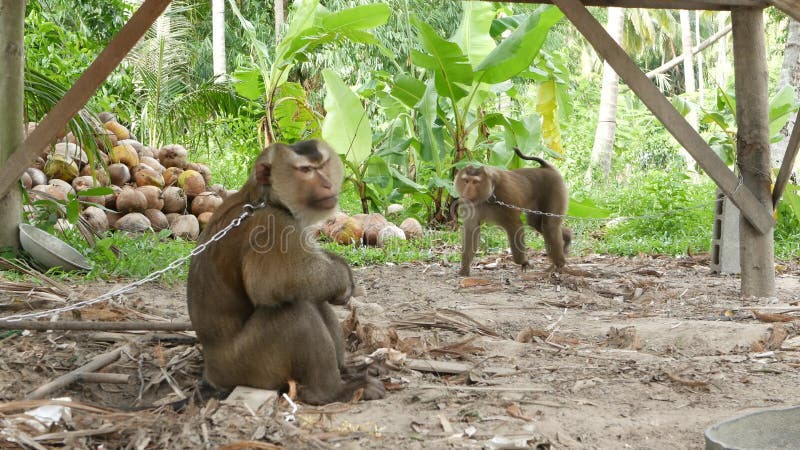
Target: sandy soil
641	353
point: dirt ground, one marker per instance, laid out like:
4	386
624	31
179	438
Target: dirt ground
641	353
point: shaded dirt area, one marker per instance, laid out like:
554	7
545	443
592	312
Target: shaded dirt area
617	353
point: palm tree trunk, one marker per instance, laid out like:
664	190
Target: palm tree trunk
281	8
218	38
603	147
790	76
701	81
12	20
723	66
688	77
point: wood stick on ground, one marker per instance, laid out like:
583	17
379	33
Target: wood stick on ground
94	326
97	363
483	388
98	377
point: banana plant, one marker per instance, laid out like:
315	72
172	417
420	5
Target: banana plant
310	26
463	73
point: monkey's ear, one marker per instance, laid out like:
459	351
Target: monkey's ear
263	173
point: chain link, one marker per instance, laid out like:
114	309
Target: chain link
494	200
247	211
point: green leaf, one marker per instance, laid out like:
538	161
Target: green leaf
515	53
346	126
780	109
586	209
360	18
95	192
404	184
451	68
472	34
681	105
249	83
431	136
408	90
73	208
790	195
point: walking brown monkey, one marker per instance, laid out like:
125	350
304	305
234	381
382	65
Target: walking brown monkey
536	189
259	298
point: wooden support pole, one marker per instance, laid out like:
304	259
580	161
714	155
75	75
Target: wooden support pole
80	92
12	87
754	210
788	163
756	248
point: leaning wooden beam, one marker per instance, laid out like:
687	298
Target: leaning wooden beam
97	363
94	326
788	163
679	59
790	7
80	92
756	213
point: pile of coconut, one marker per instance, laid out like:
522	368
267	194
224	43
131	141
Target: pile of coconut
369	229
152	188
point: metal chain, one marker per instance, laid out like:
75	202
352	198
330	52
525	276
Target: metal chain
247	211
494	200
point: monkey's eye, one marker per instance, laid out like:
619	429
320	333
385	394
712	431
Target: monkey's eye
305	169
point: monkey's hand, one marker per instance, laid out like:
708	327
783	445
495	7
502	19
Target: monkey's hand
339	264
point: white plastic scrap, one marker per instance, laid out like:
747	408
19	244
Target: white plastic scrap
289	416
48	415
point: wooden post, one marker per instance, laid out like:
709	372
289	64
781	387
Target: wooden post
12	48
756	249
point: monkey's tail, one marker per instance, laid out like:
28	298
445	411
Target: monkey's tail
542	162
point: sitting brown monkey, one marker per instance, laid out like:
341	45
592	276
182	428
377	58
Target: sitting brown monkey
259	297
495	195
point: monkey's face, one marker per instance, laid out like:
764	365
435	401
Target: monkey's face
473	184
306	177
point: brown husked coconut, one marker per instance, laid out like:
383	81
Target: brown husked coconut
99	174
204	218
119	174
26	180
389	233
105	140
70	138
61	167
37	176
394	208
124	154
145	176
174	200
185	227
202	169
38	163
120	130
158	220
82	183
218	189
333	222
412	228
131	200
138	146
134	222
192	182
372	225
71	151
62	225
347	232
113	217
153	196
49	191
111	199
63	186
152	163
171	217
173	155
96	218
171	175
206	202
106	116
360	218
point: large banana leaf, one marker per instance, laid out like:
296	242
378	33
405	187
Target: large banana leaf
452	71
515	53
472	34
346	125
431	135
